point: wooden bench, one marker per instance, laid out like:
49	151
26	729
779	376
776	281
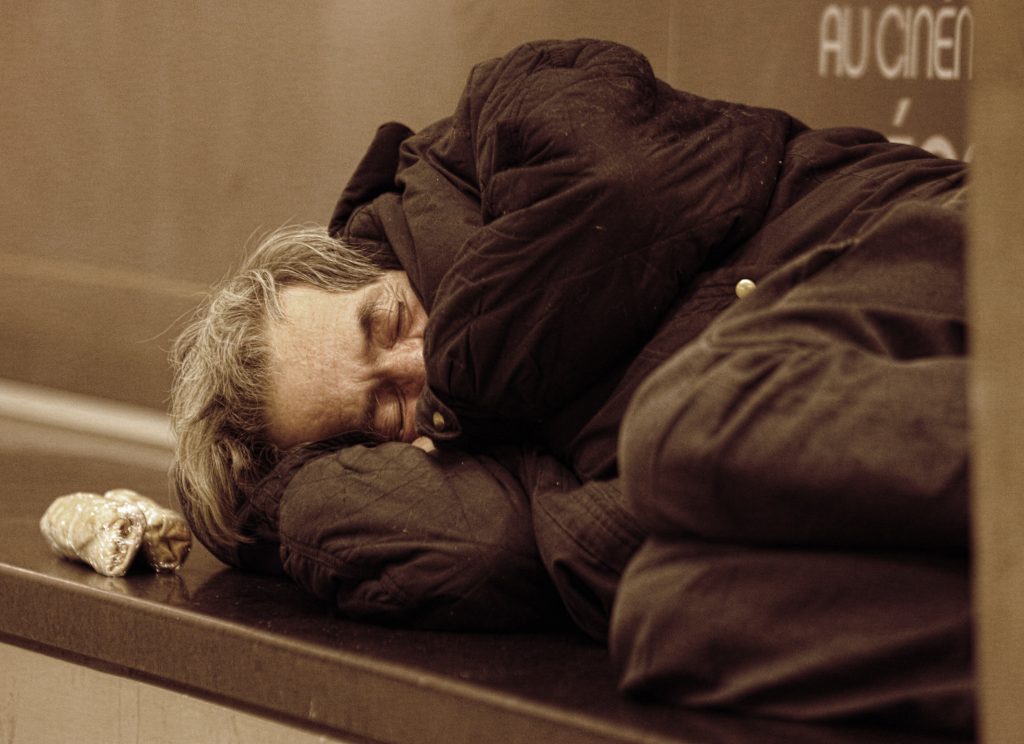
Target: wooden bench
212	651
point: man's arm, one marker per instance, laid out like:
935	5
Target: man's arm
392	534
601	192
827	409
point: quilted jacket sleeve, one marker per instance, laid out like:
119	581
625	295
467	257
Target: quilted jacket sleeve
828	409
601	192
393	535
811	635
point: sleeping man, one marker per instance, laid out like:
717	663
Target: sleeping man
685	373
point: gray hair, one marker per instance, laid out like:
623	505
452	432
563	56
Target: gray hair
221	378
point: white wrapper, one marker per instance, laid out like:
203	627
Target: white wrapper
102	532
108	531
167	540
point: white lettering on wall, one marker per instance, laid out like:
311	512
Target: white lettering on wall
899	42
937	144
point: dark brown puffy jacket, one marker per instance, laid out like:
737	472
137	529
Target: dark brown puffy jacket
571	229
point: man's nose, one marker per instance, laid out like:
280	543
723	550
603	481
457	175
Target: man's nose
408	371
405	363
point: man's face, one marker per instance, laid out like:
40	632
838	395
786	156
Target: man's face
346	361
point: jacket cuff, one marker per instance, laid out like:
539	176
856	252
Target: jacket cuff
436	420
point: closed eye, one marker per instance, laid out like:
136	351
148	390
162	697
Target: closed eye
389	414
400	409
400	322
389	323
376	330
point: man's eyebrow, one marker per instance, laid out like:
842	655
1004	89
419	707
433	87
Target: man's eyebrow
366	314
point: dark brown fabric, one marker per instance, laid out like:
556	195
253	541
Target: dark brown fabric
391	534
812	635
802	467
827	409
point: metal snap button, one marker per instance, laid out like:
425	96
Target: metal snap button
745	288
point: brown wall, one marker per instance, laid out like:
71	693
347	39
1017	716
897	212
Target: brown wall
144	144
996	274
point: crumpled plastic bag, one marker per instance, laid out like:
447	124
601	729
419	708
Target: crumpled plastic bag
108	531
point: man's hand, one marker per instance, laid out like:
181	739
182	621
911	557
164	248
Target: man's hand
424	443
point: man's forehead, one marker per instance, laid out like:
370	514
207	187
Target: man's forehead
312	315
314	359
